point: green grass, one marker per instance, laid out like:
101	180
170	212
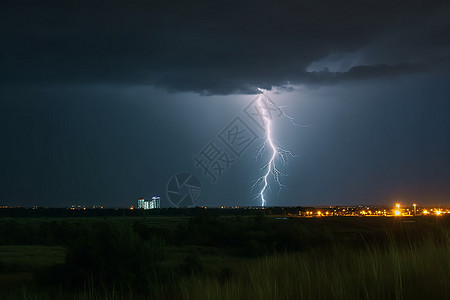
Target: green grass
418	270
30	257
208	258
154	221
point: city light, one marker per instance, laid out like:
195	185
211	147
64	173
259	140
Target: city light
397	211
370	211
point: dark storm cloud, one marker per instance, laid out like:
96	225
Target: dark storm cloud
218	47
362	72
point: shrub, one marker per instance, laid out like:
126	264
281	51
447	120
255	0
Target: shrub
113	254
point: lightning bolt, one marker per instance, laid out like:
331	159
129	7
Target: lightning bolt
264	106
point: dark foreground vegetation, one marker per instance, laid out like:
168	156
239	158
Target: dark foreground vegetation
210	255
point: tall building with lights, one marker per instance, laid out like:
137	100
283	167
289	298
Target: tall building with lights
155	202
141	203
149	204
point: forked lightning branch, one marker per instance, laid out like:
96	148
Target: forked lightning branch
221	152
264	107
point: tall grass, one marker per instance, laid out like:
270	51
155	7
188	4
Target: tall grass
402	260
418	269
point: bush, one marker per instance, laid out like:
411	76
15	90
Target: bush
111	255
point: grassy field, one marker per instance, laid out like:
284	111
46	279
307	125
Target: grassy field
225	257
420	270
32	257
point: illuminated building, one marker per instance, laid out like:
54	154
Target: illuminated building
141	203
155	203
149	204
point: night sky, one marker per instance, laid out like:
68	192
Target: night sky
103	102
